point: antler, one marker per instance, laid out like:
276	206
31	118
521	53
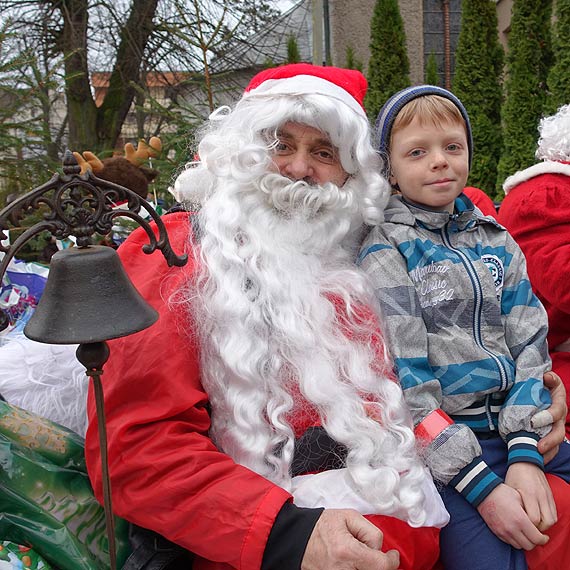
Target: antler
143	151
88	161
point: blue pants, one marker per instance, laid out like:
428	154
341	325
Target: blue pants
466	542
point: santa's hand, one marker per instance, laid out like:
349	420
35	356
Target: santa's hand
555	415
344	540
504	514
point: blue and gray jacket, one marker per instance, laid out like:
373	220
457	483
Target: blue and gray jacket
467	334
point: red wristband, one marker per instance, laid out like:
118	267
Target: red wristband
432	425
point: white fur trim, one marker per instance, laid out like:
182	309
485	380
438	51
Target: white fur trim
333	490
303	85
44	379
546	167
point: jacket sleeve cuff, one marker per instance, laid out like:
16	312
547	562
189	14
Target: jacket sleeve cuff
475	481
433	425
289	536
523	447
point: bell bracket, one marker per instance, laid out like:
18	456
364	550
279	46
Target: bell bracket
81	205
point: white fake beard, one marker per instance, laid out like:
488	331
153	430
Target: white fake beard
274	259
272	251
298	196
315	215
270	329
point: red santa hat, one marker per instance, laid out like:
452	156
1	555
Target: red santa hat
345	85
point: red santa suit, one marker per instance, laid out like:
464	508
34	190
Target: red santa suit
481	200
166	473
536	211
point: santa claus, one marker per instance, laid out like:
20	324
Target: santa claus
258	424
536	210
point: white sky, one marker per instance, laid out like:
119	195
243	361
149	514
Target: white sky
284	5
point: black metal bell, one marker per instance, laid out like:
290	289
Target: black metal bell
88	297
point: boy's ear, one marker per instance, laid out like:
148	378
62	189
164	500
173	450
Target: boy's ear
393	182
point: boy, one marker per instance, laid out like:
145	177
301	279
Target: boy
467	334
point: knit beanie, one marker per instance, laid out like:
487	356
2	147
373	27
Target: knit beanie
348	86
394	105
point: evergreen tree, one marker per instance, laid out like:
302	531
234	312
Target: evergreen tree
559	77
431	74
351	61
528	62
479	88
388	67
293	53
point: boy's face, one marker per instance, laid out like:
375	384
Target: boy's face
430	164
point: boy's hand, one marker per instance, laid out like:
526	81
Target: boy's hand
504	514
538	502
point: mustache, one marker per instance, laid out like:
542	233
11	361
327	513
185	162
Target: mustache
303	197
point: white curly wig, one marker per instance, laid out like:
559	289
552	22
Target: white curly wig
554	141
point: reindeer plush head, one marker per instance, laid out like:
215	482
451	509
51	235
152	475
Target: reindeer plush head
128	170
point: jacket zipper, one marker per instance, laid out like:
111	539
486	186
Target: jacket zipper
478	305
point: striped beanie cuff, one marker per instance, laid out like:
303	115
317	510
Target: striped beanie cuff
394	105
